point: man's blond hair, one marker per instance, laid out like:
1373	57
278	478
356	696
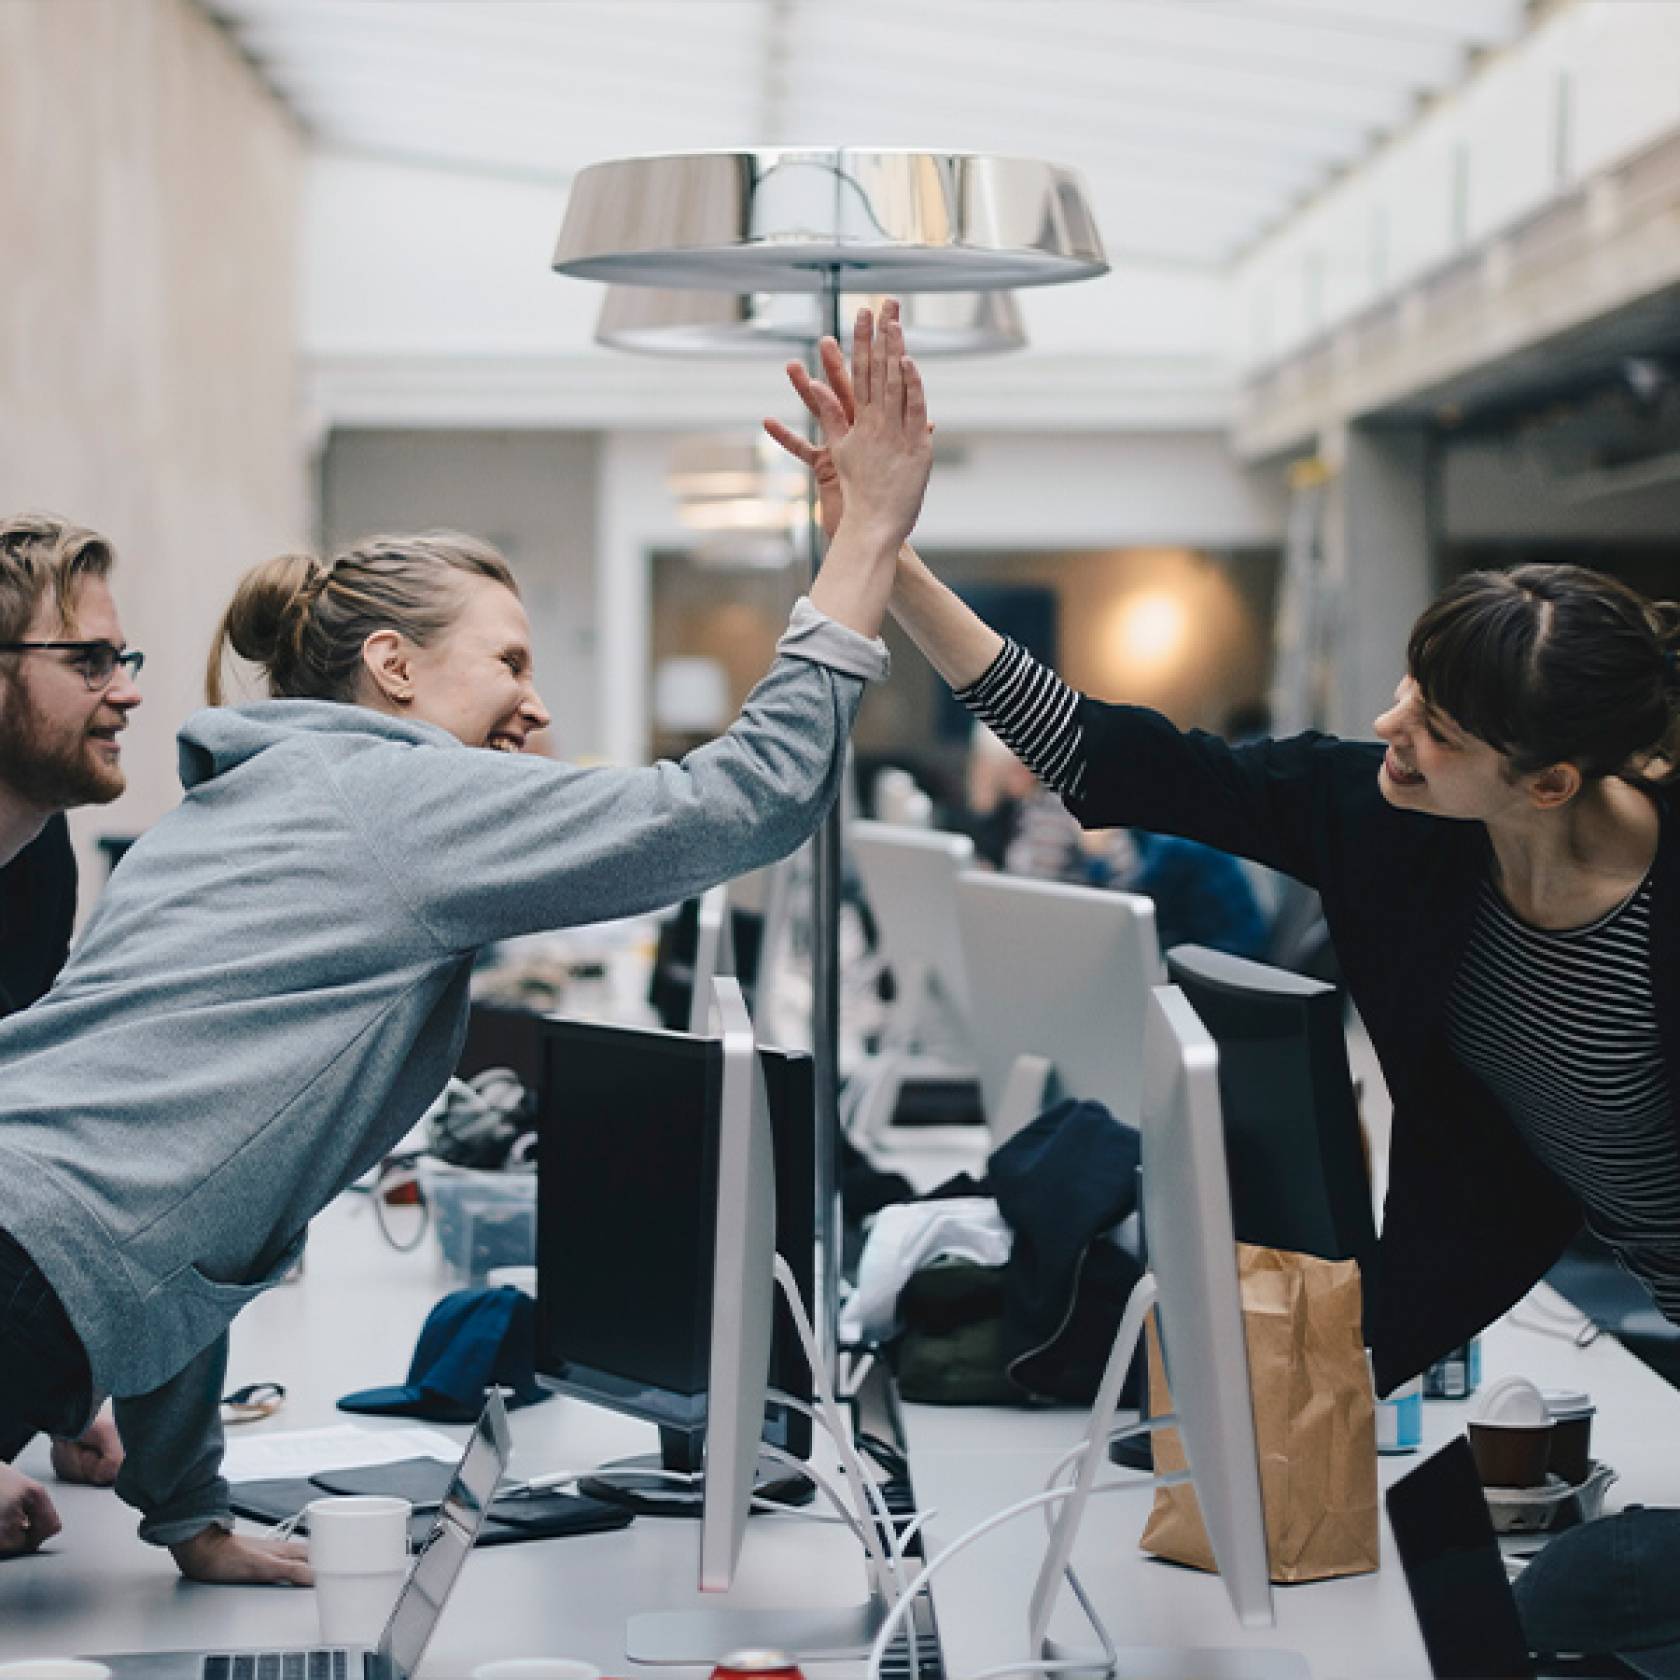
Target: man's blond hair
42	554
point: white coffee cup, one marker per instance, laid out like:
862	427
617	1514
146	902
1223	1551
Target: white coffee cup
536	1668
358	1550
54	1668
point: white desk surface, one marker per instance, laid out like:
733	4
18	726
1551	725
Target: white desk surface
353	1320
969	1463
350	1323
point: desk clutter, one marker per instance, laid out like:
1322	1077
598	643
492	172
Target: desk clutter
514	1516
1532	1449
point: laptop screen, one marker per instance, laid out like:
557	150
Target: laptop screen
1457	1579
465	1506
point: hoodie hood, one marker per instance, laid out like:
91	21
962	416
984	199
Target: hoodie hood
222	738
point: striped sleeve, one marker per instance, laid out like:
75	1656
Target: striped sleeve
1035	714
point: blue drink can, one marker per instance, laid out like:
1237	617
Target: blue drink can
1456	1375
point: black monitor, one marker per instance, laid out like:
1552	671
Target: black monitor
1297	1160
687	949
627	1168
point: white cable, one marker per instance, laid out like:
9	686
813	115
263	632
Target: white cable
896	1616
833	1496
835	1423
859	1520
863	1362
887	1525
1110	1656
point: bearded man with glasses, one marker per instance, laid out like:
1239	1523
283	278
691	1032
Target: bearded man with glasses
66	689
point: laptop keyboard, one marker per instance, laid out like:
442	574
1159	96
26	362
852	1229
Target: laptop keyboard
320	1664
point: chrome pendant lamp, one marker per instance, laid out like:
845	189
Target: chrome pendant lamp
793	218
650	321
828	220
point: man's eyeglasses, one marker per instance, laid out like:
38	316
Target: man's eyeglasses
97	661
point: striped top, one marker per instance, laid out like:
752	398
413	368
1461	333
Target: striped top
1561	1026
1034	713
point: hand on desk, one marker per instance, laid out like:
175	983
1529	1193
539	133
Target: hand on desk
232	1560
94	1458
27	1517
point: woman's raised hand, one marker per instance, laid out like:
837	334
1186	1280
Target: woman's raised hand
877	450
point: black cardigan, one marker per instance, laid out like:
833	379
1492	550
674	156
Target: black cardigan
1472	1219
37	914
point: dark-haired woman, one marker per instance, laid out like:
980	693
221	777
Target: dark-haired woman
1500	875
274	986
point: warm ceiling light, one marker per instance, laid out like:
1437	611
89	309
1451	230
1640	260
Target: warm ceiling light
1150	632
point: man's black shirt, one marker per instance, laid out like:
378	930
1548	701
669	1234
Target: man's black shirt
37	914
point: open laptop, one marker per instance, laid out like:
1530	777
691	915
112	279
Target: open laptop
1454	1570
414	1616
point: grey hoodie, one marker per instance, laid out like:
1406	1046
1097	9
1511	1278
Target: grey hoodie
274	988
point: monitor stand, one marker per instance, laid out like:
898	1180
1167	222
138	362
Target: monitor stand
646	1486
1139	1662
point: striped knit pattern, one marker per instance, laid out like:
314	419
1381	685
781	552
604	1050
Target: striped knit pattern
1034	713
1562	1027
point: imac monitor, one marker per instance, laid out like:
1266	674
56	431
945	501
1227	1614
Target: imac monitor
1193	1282
742	1224
1061	972
1297	1163
629	1153
743	1294
1193	1259
910	878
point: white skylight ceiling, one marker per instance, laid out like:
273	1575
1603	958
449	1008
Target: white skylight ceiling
1197	124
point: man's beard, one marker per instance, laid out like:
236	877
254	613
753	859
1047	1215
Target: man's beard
52	775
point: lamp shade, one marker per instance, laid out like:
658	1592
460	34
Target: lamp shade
784	218
655	322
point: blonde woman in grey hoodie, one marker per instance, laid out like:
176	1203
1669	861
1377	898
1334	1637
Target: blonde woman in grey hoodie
274	986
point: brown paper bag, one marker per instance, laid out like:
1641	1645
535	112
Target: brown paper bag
1314	1423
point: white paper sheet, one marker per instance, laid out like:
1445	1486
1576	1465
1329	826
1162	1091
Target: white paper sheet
344	1446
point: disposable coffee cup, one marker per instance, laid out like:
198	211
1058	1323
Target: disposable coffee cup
536	1668
1572	1413
1511	1454
358	1550
54	1668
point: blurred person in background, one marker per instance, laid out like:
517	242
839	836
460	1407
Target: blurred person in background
1201	897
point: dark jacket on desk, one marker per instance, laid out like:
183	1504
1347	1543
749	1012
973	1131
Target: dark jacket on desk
37	915
1472	1219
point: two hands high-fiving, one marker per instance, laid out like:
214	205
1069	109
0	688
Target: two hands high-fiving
880	393
844	403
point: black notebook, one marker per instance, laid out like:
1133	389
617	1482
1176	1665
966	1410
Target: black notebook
422	1481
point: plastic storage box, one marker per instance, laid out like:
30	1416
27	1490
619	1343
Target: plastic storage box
481	1219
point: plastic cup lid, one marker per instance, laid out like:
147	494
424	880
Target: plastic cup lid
1568	1402
1514	1403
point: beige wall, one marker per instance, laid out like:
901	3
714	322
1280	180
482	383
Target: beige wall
149	204
1185	630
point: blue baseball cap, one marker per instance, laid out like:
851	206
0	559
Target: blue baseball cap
1609	1587
472	1340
